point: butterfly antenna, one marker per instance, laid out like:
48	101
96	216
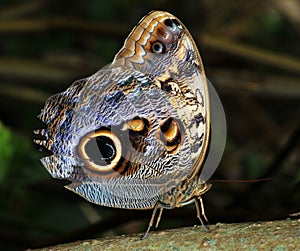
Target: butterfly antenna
239	181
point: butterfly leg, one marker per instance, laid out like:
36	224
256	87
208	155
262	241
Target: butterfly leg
200	212
159	216
157	206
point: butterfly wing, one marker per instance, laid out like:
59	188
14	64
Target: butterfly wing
133	130
162	47
133	169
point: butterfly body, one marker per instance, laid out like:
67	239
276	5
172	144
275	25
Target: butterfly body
135	134
184	193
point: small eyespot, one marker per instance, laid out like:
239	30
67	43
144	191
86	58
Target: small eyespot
138	130
139	125
168	22
158	47
175	21
171	135
172	23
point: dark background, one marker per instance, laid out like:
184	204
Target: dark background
251	53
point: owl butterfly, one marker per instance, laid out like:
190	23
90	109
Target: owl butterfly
136	134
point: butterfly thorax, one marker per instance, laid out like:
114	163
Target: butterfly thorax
184	193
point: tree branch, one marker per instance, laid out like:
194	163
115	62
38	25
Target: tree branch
276	235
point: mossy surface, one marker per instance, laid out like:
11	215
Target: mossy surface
271	235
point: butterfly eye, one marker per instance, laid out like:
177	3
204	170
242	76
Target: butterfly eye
158	47
171	135
101	150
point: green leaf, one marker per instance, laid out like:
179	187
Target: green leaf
6	150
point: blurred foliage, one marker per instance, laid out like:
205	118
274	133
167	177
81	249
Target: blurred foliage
251	52
6	151
17	159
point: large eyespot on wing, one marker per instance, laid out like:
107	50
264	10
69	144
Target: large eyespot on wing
101	151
